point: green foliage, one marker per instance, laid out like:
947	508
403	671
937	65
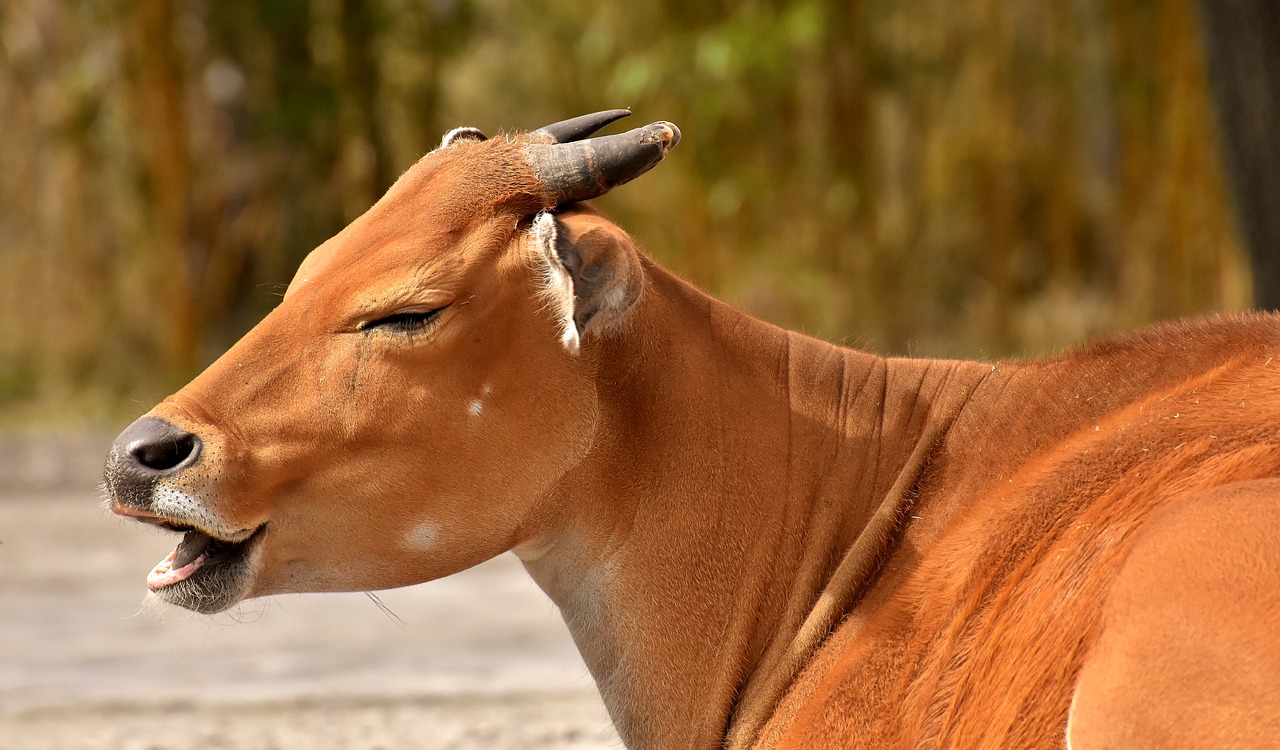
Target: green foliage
918	177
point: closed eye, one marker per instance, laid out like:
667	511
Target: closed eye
403	322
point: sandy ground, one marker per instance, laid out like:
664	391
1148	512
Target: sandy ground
477	660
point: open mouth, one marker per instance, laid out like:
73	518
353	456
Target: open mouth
204	573
196	551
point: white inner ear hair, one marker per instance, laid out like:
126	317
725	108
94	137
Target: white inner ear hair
461	134
556	285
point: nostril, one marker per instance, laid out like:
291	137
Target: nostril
165	453
154	445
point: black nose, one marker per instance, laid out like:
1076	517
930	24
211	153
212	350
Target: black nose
156	446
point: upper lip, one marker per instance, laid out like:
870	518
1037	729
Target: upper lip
179	525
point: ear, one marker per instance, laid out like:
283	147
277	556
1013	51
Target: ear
462	135
591	272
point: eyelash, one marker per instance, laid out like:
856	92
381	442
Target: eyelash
407	323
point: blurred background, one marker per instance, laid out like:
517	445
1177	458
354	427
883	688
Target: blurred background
984	179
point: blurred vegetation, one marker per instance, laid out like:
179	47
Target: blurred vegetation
912	176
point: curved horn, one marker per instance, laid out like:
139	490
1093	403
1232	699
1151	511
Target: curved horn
583	170
577	128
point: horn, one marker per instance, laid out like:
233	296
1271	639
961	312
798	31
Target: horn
577	128
582	170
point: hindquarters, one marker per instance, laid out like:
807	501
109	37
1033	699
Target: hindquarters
1189	651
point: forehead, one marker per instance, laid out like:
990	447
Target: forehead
438	212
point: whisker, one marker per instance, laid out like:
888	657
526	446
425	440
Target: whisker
400	623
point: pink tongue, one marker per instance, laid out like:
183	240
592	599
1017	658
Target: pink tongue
163	576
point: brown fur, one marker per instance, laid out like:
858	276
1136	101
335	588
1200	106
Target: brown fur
758	539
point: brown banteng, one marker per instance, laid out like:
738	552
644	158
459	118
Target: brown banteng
755	538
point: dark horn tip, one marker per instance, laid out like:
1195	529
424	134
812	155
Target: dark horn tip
577	128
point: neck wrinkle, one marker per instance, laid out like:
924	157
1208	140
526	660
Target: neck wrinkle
698	577
916	403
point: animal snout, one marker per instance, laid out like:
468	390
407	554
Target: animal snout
153	447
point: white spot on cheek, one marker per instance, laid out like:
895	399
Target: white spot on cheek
475	408
424	536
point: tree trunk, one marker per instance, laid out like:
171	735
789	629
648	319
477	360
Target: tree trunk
1242	40
162	130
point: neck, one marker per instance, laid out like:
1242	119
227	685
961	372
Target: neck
742	486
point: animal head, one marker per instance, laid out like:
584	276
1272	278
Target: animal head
425	382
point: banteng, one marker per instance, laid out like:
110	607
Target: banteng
757	539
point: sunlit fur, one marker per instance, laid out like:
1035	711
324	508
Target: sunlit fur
758	539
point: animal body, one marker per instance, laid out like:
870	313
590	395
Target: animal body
757	539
